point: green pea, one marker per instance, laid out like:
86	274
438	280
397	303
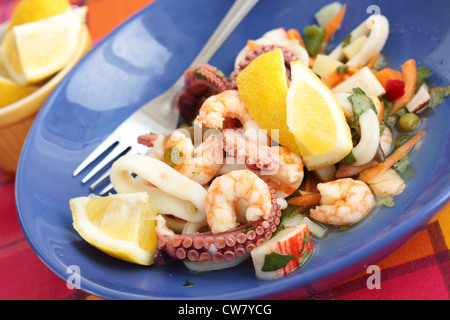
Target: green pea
408	122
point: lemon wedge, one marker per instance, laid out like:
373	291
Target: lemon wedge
263	87
121	225
34	51
316	119
11	92
34	10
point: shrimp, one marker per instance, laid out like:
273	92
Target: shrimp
343	202
387	184
276	165
228	103
386	140
200	163
224	193
290	174
155	142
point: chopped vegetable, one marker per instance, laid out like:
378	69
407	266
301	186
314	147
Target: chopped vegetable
339	75
354	47
305	200
394	89
275	261
438	94
385	201
252	44
420	99
404	168
284	253
294	34
346	41
326	13
423	72
363	78
372	61
388	74
324	65
334	25
313	37
408	122
188	284
410	78
398	154
381	112
360	104
348	159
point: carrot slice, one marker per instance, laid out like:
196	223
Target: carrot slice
334	78
387	74
410	78
305	200
334	24
381	113
372	172
252	44
294	34
372	60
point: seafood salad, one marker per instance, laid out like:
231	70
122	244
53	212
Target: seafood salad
300	139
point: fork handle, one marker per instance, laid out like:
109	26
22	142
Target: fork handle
237	12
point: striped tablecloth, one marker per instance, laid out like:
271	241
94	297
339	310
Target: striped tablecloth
420	269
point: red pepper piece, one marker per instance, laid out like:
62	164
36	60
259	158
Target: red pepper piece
394	89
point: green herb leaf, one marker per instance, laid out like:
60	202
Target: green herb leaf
287	214
198	75
386	201
401	140
437	95
313	37
344	228
275	261
248	228
360	103
342	69
407	173
422	73
304	258
188	284
404	168
346	41
349	159
219	73
401	112
401	164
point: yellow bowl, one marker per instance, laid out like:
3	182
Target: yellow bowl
17	118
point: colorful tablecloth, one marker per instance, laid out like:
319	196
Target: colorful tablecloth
420	269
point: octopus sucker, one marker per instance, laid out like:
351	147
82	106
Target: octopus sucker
210	247
201	82
287	54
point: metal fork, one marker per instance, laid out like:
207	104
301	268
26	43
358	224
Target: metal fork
158	115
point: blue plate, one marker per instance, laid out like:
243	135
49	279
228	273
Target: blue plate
144	57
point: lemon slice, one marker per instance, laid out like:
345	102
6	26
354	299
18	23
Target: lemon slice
263	87
122	225
34	10
316	119
11	92
34	51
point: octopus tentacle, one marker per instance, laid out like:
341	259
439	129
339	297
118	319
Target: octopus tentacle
201	82
287	54
209	247
276	165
